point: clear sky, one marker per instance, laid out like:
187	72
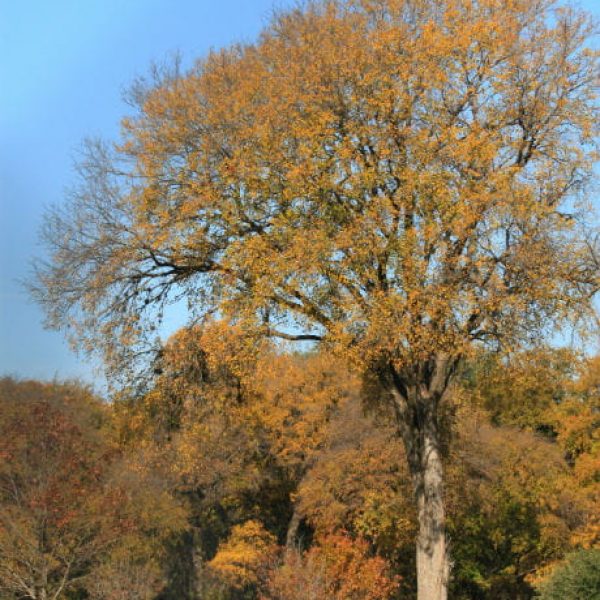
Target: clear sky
63	67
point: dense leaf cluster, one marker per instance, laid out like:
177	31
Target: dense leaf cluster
248	472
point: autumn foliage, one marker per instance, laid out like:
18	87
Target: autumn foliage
401	186
335	568
66	517
279	479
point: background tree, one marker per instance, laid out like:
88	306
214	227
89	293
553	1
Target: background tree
70	511
55	517
576	421
338	568
286	447
578	578
244	559
235	430
399	179
522	389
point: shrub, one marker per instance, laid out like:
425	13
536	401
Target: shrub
578	578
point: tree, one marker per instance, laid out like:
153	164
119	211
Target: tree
553	392
244	558
55	517
401	180
577	579
512	509
522	389
336	568
576	423
235	431
69	511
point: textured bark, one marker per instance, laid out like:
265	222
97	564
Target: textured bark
417	395
433	568
292	532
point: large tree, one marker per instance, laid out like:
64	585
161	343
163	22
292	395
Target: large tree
399	179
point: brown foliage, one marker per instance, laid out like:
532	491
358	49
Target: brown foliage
336	568
67	502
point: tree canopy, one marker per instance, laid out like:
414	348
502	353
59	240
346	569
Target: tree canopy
399	177
71	512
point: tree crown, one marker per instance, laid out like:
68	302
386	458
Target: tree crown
401	178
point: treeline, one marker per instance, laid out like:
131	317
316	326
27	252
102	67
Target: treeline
245	472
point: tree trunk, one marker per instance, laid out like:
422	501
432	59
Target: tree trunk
42	593
292	532
41	590
433	567
417	394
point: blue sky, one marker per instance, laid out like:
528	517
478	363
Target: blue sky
63	67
